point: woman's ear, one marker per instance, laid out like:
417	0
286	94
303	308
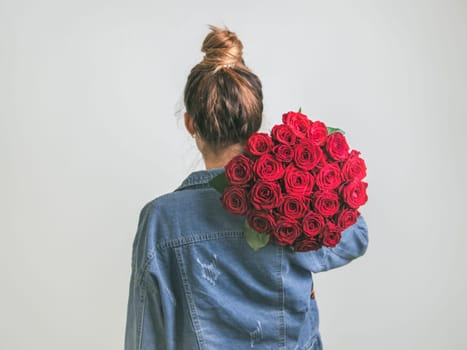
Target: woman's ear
189	123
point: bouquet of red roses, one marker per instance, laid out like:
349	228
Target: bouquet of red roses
298	186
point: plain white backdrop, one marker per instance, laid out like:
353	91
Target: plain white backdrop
91	130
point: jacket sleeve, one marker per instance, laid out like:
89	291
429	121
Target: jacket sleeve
145	323
353	244
134	320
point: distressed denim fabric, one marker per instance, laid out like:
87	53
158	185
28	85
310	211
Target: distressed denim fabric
196	284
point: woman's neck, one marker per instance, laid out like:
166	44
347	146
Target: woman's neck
221	158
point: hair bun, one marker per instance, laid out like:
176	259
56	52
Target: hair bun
222	48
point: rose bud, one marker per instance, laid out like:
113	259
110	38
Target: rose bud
306	243
317	133
286	231
346	218
239	170
258	144
326	203
329	177
307	155
298	182
331	235
260	221
293	207
354	168
298	122
265	195
234	200
337	146
268	168
283	134
354	193
283	153
313	224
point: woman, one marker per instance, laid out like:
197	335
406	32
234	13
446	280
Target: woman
195	283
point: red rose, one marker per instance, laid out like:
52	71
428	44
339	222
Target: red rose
258	144
298	122
298	182
354	193
293	207
306	243
261	221
331	238
313	224
337	146
332	235
354	168
265	195
286	231
267	168
326	203
239	171
283	134
234	199
346	218
284	153
329	177
317	133
307	155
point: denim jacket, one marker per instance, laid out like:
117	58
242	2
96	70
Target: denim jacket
196	284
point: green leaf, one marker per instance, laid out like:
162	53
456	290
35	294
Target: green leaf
332	130
219	182
300	110
255	239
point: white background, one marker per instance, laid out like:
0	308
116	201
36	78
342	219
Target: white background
91	130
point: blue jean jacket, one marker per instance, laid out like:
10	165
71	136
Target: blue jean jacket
196	284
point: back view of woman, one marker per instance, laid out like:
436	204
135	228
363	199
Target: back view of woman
195	282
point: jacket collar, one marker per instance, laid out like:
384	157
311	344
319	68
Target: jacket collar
199	178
